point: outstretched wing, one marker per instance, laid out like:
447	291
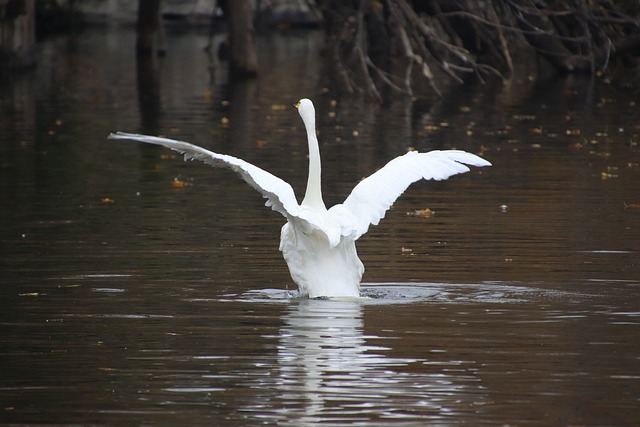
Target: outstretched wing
373	196
279	194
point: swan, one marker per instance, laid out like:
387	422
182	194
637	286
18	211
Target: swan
319	244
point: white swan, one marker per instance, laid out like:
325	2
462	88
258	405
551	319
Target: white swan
317	243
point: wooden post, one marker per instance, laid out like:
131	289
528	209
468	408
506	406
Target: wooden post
17	33
244	59
149	27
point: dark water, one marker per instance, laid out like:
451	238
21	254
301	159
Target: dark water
125	300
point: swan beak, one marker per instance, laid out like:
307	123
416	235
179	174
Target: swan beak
297	104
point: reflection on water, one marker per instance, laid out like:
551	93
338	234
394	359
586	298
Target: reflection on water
329	370
126	301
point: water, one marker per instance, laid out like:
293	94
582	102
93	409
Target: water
125	300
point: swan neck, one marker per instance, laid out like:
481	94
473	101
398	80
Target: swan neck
313	195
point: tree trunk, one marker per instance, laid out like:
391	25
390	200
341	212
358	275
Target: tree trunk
17	33
244	59
149	27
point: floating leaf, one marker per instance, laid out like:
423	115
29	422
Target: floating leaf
522	117
607	175
177	183
425	213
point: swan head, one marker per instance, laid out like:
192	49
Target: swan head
308	113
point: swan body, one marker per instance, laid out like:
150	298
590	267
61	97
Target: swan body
317	243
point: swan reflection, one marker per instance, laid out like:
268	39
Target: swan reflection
329	370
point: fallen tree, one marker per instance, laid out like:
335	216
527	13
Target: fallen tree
380	44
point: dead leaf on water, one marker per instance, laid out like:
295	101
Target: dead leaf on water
107	200
607	175
631	205
177	183
425	213
523	117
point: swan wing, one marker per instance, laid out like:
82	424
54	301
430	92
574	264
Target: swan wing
373	196
279	194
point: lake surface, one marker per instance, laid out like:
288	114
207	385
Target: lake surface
136	288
